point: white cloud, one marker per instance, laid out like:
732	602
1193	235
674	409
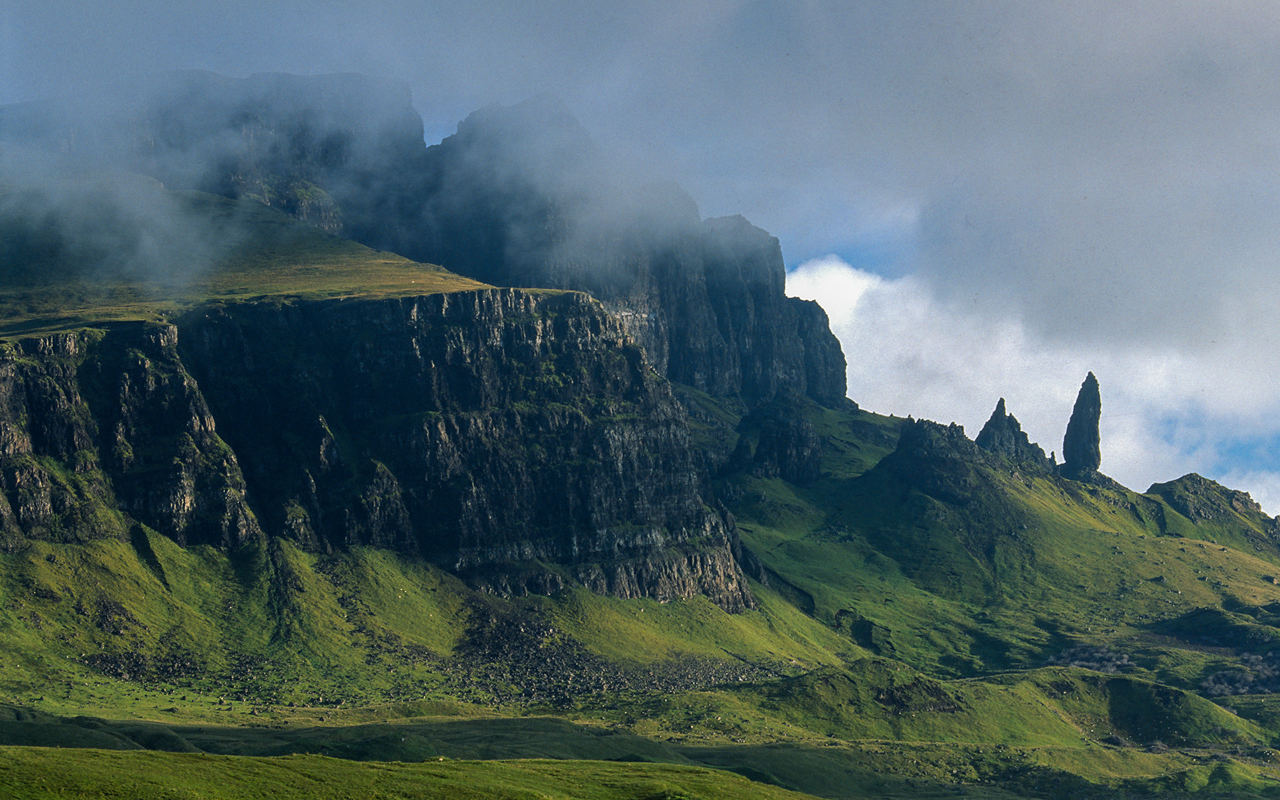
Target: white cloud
1263	486
911	353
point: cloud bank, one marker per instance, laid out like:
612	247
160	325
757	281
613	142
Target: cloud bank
911	352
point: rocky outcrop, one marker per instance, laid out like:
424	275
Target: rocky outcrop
965	520
1201	500
157	437
96	427
776	441
518	439
1003	436
938	460
1082	444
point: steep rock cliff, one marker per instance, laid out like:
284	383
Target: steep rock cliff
94	424
518	439
519	197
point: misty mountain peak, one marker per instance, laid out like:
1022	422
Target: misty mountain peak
536	141
519	196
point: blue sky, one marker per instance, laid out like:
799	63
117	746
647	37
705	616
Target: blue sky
1021	192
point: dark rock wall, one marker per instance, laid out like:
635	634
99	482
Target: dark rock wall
518	439
1082	444
776	440
94	427
518	197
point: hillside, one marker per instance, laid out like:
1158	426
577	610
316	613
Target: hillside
277	509
159	252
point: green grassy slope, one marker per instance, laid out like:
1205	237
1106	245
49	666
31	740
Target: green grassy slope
37	773
211	249
926	620
1027	566
285	651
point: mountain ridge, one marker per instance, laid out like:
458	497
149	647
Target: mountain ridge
322	498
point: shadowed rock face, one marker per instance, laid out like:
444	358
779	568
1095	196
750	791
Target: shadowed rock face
1082	445
92	424
938	460
493	432
519	197
776	440
1003	435
518	440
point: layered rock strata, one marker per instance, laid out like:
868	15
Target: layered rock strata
520	440
97	430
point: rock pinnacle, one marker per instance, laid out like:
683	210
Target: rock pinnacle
1081	447
1003	436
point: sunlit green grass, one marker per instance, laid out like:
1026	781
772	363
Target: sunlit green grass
41	773
256	253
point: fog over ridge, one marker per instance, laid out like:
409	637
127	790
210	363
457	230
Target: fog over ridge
1100	177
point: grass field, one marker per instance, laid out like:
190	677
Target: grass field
240	250
41	774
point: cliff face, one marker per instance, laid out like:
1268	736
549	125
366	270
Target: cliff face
519	440
518	197
93	425
525	440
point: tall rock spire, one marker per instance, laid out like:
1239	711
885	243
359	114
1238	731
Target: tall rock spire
1082	445
1003	436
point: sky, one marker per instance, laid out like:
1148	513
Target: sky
990	199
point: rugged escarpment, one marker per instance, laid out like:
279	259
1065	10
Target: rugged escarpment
98	430
525	440
518	197
518	439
